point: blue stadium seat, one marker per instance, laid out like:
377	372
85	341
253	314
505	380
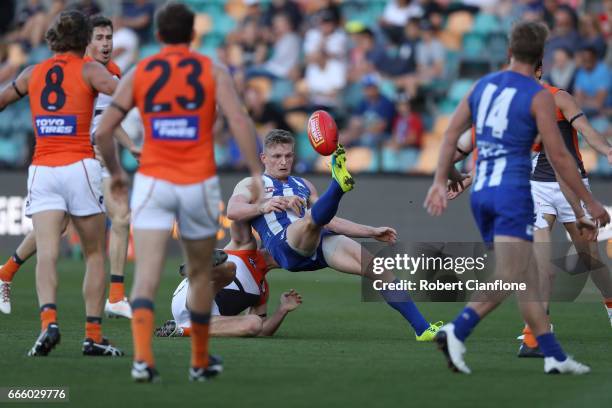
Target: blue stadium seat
39	54
486	23
149	49
281	89
473	44
497	46
456	92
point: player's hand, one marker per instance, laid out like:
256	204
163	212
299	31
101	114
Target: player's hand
119	187
385	234
598	213
295	203
277	204
455	188
587	227
290	300
436	200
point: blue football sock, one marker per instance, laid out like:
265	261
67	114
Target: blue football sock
550	347
404	304
465	323
326	206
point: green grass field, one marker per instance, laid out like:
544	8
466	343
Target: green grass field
333	351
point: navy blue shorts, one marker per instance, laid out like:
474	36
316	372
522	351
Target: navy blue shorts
504	211
291	260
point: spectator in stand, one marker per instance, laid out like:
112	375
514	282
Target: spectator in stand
287	7
564	34
365	55
286	50
252	49
430	56
402	150
370	124
403	66
32	23
87	7
125	46
593	81
605	17
328	37
591	34
265	114
138	15
563	71
395	16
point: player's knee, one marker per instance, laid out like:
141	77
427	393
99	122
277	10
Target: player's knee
120	224
252	326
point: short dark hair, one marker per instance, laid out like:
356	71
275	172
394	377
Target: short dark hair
175	23
70	31
278	136
100	21
527	41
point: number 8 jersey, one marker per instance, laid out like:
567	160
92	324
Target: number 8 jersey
62	109
174	91
505	129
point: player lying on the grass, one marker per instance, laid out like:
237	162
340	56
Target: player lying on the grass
554	201
177	92
501	196
64	177
100	49
301	230
240	285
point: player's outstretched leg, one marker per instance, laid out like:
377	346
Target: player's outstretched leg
24	251
117	304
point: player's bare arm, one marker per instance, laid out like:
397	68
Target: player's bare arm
240	124
289	301
123	101
543	109
570	109
461	121
17	89
242	238
242	207
98	77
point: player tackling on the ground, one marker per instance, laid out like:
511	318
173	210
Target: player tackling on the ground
509	108
176	92
239	285
64	177
100	49
300	229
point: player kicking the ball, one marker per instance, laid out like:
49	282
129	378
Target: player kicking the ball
501	195
100	49
64	178
300	229
239	282
176	91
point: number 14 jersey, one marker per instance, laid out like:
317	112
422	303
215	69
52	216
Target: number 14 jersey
174	91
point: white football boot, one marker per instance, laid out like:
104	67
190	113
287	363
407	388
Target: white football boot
453	348
5	297
118	309
609	310
569	366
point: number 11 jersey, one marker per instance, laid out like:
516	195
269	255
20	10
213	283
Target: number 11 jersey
174	91
505	129
62	106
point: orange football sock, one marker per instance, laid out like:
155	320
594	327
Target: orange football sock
186	331
47	315
9	269
529	338
116	292
142	332
608	303
199	345
93	331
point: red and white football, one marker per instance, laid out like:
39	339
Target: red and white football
323	132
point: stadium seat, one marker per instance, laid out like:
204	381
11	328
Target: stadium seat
358	160
473	44
486	23
39	54
497	47
456	92
428	159
281	88
149	49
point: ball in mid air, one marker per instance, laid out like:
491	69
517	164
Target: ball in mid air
323	132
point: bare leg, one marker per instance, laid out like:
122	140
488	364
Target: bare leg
150	251
91	233
119	215
304	235
47	229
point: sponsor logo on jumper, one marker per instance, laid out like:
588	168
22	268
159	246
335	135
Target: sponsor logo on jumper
55	125
176	128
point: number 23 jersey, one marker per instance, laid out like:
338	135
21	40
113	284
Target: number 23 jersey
174	91
505	129
62	106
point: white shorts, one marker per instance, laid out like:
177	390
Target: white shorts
156	204
548	199
75	189
180	313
